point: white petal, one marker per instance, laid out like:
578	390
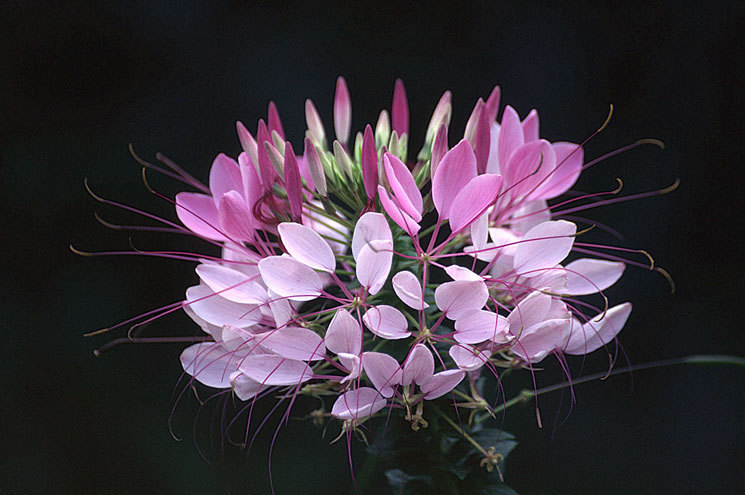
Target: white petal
297	343
407	287
373	264
242	288
474	327
588	276
344	334
599	331
386	322
358	404
269	370
544	246
219	311
468	358
290	278
455	298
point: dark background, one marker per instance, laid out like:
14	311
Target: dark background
80	81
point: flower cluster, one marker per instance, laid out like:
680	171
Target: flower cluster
354	271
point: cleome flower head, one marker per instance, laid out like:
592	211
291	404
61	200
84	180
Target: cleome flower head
349	268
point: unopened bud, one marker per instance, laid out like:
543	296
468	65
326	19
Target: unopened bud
342	111
315	167
315	126
275	158
342	159
383	128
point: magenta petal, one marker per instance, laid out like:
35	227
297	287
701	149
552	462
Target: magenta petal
224	176
396	211
400	109
439	149
455	170
468	358
455	298
474	327
358	404
599	331
209	363
418	367
473	200
234	217
386	322
441	383
342	111
407	287
530	126
198	213
510	137
293	182
231	284
344	334
306	246
588	276
492	104
275	123
369	163
544	246
219	311
383	371
403	186
270	370
297	343
482	142
289	278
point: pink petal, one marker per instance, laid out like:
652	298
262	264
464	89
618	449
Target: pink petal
599	331
529	165
544	246
457	272
198	213
219	311
468	358
530	214
407	287
342	111
510	137
280	308
473	200
243	386
248	143
369	163
529	312
244	289
455	298
386	322
251	183
588	276
297	343
569	158
540	340
224	176
383	371
400	109
351	362
455	170
307	246
403	186
480	231
474	327
234	217
209	363
370	227
418	367
290	278
270	370
275	123
358	404
530	126
374	264
441	383
344	334
396	211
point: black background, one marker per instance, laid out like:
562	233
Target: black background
80	81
